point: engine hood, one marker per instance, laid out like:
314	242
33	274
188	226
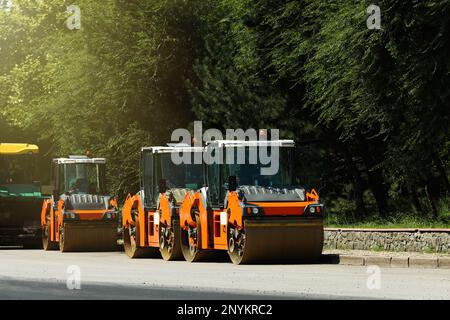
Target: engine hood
265	194
86	202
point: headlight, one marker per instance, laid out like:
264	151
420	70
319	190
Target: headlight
249	211
313	210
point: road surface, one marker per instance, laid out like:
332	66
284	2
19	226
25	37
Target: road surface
36	274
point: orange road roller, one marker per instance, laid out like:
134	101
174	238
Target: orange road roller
255	215
150	219
79	216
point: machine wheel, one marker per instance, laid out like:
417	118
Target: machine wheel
62	242
236	245
46	243
130	244
169	242
190	244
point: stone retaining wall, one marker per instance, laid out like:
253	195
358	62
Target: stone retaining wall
411	240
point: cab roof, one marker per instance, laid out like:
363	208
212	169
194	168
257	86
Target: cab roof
80	160
18	148
257	143
171	148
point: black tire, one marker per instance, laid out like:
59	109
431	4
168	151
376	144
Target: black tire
195	255
235	250
131	248
48	245
62	244
172	251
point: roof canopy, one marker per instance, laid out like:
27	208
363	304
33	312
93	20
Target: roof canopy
18	148
173	149
242	143
79	160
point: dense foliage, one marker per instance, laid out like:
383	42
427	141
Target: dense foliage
370	108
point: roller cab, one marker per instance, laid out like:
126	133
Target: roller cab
79	216
255	213
150	218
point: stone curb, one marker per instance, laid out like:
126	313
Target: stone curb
429	241
409	230
387	261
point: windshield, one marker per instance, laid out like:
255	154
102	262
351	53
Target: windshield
83	178
248	174
245	163
159	166
184	176
17	169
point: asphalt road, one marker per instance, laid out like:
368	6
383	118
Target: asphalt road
36	274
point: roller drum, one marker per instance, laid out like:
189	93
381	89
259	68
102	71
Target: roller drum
89	237
281	240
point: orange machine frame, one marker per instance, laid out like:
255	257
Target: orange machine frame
149	234
216	220
232	215
56	217
150	219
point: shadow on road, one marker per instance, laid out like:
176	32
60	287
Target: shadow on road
37	290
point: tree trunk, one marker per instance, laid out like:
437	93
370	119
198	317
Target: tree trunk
358	190
432	202
442	172
379	191
415	203
376	182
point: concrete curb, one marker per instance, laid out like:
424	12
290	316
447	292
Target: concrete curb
423	262
444	263
351	260
399	262
387	261
378	261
